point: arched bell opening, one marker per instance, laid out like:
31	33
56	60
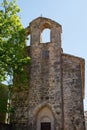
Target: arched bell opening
28	40
45	36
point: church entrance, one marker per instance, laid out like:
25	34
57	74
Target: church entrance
45	119
45	126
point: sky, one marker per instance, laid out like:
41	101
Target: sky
71	14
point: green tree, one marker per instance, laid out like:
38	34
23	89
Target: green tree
13	58
12	41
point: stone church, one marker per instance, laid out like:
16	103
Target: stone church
54	100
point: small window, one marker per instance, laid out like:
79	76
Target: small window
28	41
45	36
45	54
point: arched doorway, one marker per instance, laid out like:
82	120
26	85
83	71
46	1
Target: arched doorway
45	119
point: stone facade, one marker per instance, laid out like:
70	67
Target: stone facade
56	88
85	119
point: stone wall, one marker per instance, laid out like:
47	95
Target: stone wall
20	106
72	93
14	127
85	114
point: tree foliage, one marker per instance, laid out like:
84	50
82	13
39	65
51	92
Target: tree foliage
12	41
13	57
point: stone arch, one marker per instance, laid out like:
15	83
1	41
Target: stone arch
45	115
45	28
45	25
42	105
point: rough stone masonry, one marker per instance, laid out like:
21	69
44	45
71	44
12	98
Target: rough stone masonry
54	99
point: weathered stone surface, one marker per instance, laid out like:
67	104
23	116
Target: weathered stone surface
20	105
85	114
72	94
56	86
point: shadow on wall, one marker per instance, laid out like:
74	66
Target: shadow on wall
3	102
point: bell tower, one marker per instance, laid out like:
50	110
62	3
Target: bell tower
45	92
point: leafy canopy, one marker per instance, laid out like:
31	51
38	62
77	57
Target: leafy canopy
12	41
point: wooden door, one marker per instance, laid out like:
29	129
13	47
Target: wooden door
45	126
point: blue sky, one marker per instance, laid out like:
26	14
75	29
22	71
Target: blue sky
71	14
